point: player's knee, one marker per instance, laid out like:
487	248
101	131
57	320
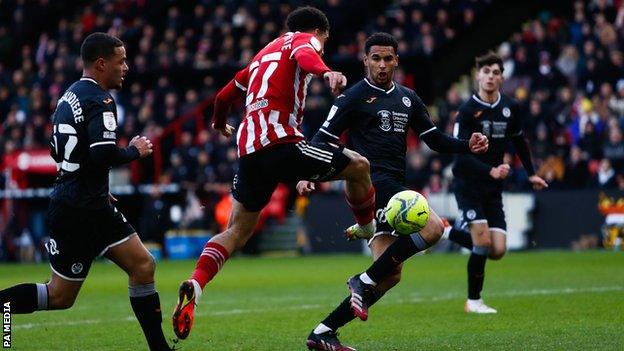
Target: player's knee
361	166
144	268
437	227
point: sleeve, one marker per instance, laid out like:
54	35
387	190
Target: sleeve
307	52
338	120
420	122
422	125
519	141
227	96
101	130
463	130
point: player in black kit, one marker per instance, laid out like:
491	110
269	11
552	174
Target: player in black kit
479	178
83	222
378	113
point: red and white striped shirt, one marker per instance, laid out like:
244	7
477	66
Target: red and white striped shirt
275	83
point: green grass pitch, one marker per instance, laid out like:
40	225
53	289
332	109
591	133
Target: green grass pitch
548	300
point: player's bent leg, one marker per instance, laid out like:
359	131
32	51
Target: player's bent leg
360	195
498	247
132	256
378	245
62	293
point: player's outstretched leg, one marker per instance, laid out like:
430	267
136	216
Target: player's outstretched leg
213	257
403	248
26	298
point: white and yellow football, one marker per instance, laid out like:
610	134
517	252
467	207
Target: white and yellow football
407	212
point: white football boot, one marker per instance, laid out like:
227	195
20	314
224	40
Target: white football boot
477	306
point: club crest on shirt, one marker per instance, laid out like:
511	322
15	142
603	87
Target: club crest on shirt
371	99
385	123
407	102
110	122
506	112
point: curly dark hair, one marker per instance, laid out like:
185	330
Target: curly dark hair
307	18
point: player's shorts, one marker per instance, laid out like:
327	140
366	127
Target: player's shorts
260	172
78	236
481	203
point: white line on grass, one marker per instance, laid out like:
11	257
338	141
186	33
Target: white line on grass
392	301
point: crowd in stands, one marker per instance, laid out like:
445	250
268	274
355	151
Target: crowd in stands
567	74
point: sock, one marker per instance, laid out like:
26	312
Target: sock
146	306
476	271
342	315
321	328
461	237
401	249
364	209
26	298
210	262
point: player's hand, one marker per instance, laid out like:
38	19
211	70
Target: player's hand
336	81
305	187
143	144
478	143
500	172
226	131
538	182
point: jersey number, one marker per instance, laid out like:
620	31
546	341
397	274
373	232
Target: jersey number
72	141
273	58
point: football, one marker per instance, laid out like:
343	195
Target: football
407	212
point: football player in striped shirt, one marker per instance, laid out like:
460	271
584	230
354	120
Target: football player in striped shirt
272	149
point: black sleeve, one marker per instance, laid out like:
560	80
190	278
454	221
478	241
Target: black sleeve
420	121
464	130
109	155
522	149
519	142
443	143
101	129
338	120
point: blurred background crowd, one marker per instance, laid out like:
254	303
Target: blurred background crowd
566	70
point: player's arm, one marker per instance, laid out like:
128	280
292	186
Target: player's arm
422	125
103	149
463	130
226	98
307	52
338	120
521	146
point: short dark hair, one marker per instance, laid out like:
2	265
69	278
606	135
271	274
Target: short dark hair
489	58
380	39
307	18
98	45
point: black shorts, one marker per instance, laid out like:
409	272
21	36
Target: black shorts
384	190
481	203
260	172
78	236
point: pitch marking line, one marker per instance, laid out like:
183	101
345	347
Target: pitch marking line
415	298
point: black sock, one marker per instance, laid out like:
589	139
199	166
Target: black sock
26	298
340	316
146	306
343	313
476	271
404	247
461	237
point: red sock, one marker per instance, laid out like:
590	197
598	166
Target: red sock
364	209
210	262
